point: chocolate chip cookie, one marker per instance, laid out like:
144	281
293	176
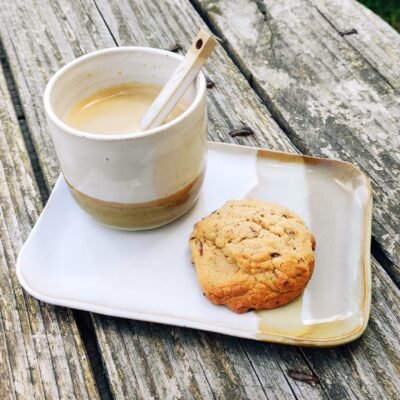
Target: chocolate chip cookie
252	254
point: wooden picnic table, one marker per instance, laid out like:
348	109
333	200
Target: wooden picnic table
317	77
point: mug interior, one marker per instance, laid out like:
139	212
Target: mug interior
110	67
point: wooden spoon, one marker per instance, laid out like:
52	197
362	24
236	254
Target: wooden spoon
175	88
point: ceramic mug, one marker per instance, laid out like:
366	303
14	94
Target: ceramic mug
137	180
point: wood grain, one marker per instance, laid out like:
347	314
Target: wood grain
41	352
375	40
56	35
142	359
335	94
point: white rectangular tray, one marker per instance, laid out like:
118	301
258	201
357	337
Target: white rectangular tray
70	260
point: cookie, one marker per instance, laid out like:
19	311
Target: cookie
252	254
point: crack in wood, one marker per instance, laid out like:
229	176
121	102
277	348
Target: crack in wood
105	23
205	375
12	88
255	371
380	255
86	330
265	99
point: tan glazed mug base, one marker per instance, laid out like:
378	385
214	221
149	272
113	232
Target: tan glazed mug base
140	216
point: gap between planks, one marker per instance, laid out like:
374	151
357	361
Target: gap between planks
12	88
82	319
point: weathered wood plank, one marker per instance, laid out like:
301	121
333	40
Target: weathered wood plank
138	357
375	40
335	95
42	355
136	354
177	360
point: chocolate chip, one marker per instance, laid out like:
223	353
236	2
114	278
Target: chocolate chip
274	255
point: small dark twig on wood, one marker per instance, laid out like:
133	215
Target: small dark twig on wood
175	48
349	32
245	131
304	377
210	84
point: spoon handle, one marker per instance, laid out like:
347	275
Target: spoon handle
175	88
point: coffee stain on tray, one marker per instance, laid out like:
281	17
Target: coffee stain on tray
287	321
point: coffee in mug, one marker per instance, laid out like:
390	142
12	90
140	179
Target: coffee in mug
117	109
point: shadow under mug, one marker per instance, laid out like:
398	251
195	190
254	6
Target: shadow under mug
129	181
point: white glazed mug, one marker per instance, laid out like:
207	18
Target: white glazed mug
136	180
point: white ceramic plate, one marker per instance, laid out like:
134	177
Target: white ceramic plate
70	260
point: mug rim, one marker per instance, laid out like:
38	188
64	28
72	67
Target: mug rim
200	93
